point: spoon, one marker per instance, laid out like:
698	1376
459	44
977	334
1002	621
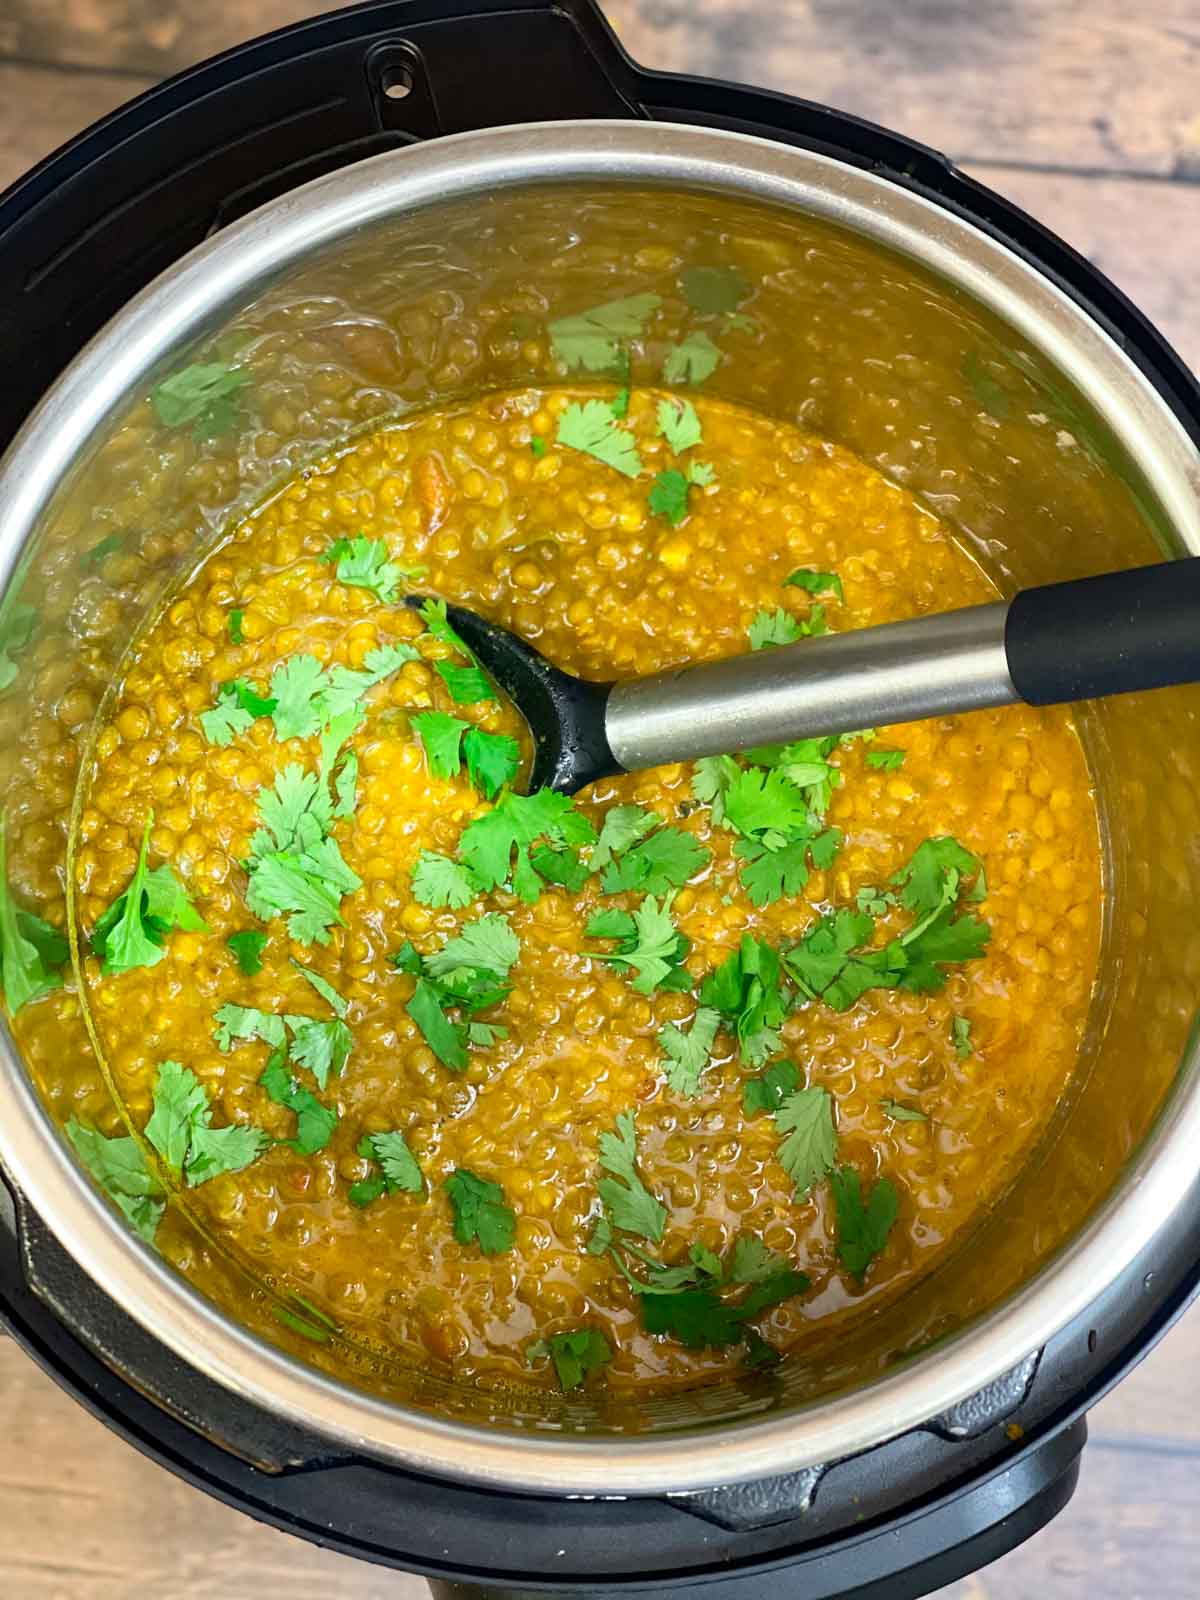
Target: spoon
1051	645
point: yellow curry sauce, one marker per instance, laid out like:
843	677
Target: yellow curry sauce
559	547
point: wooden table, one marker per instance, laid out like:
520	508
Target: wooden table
1087	117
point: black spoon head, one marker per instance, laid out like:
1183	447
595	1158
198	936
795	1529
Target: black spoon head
565	714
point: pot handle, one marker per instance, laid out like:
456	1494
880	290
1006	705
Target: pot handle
932	1546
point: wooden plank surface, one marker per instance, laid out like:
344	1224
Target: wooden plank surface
1087	117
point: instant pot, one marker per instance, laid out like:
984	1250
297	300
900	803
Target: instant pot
1046	420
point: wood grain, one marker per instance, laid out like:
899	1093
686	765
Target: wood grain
41	108
1108	86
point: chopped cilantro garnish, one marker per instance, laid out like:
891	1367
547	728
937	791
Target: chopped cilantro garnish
713	291
480	1213
815	582
434	616
235	1023
366	564
770	1089
105	547
314	1122
441	736
575	1355
761	801
537	446
248	947
561	864
622	827
666	860
885	760
875	902
619	404
902	1113
237	707
488	843
180	1130
493	760
592	428
701	473
467	685
931	880
469	973
668	497
688	1054
325	989
234	623
679	424
31	951
204	394
131	932
747	990
119	1167
397	1168
439	881
592	339
628	1203
770	628
648	942
17	622
308	696
711	781
960	1037
691	361
769	873
862	1230
295	868
810	1148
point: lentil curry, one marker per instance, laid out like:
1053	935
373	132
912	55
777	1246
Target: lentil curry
633	1090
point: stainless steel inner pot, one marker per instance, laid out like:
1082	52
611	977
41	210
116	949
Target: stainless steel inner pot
1071	464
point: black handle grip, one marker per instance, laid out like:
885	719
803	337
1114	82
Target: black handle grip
1108	635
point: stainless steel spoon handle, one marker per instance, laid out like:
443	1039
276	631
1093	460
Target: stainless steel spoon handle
838	683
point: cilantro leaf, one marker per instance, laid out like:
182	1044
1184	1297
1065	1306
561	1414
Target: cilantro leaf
467	685
248	947
238	706
486	945
296	688
119	1168
203	393
236	618
815	582
537	446
622	827
366	564
591	339
592	428
770	873
441	736
691	361
480	1213
666	860
698	1318
885	760
862	1230
931	878
688	1053
31	951
314	1122
295	811
770	628
713	290
960	1037
747	990
712	778
627	1201
325	989
439	881
493	760
560	864
427	1010
760	800
282	885
105	547
769	1091
397	1168
902	1113
180	1129
575	1355
131	932
701	473
679	424
247	1022
654	949
516	820
810	1148
668	496
875	902
434	616
17	622
344	687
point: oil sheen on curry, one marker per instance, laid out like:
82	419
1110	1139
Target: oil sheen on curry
633	1090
